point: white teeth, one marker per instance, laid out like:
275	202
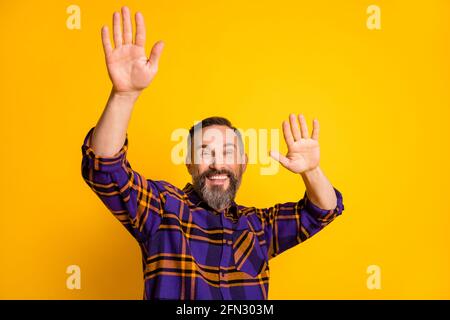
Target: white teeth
218	177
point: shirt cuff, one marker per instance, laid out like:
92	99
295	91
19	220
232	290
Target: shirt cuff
315	210
105	164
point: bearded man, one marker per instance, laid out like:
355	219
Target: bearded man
197	242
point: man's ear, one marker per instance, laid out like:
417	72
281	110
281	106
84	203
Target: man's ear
244	164
189	168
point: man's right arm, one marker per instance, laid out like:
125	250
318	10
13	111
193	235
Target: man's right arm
135	201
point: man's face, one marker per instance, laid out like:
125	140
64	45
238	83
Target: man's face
217	165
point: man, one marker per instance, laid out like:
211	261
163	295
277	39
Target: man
197	243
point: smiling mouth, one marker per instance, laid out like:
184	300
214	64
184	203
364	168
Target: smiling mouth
218	179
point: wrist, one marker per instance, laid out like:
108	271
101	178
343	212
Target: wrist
311	174
125	95
122	101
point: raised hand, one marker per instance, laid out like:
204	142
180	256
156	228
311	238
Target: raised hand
303	151
128	66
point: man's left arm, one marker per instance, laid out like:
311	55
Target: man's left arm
290	223
303	158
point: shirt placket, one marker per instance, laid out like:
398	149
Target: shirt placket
225	257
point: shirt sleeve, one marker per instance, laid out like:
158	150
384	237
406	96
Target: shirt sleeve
133	200
288	224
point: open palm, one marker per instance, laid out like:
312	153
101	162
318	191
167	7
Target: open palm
303	151
128	67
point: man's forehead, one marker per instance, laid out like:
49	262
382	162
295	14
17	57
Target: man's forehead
216	134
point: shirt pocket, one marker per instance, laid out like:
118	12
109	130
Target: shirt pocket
247	252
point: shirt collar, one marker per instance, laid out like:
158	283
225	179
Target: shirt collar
233	212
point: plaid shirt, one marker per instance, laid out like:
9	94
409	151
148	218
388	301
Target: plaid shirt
190	251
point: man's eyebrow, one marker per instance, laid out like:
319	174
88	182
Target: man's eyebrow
230	144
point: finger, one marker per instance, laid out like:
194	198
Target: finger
127	29
117	31
287	133
279	157
106	41
140	30
155	54
316	128
295	128
303	126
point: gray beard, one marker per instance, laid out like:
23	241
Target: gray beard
215	196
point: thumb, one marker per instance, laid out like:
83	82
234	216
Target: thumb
155	54
279	157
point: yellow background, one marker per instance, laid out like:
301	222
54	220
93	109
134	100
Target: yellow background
382	98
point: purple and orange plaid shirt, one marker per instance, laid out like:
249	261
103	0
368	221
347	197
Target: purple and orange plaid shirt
190	251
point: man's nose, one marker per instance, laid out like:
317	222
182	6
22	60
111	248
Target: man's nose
217	163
